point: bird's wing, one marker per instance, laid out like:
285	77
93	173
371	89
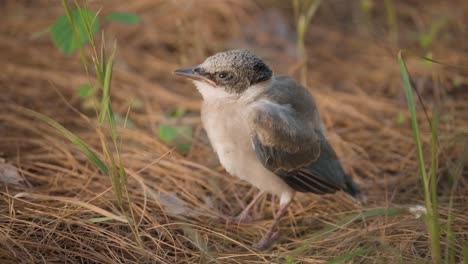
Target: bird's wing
294	148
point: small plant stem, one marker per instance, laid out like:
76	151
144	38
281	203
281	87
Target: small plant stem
303	18
75	32
435	205
432	220
391	19
455	173
104	68
301	52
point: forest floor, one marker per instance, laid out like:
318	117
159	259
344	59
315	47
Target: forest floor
58	207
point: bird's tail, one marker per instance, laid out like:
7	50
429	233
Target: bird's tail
353	189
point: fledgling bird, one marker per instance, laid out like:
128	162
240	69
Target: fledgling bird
266	129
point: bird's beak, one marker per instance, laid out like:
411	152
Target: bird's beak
190	73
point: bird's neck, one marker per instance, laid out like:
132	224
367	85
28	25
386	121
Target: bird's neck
210	93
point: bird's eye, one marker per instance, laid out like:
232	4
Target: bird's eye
222	75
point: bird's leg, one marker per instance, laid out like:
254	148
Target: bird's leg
244	215
271	235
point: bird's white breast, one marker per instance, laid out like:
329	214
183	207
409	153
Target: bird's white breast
224	118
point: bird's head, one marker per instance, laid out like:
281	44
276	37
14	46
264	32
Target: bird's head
233	71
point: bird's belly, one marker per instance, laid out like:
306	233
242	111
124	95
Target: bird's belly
231	144
230	138
238	161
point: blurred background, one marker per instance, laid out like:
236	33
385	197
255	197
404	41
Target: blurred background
344	51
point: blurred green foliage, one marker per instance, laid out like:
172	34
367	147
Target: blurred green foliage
68	41
62	30
124	17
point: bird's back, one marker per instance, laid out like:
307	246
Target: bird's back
303	158
286	91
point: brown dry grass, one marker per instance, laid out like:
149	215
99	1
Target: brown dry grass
54	216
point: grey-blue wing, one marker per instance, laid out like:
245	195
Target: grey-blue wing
320	175
291	145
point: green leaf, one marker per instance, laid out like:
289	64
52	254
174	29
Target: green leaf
183	147
62	31
178	136
171	133
185	131
85	90
123	17
167	133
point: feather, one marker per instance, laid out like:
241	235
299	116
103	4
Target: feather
288	140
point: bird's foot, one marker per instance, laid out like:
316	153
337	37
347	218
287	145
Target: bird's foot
266	241
244	218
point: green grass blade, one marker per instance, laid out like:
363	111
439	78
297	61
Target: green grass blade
99	73
103	60
303	13
40	33
112	123
73	138
106	89
117	184
431	219
296	9
433	175
312	9
88	25
455	174
414	121
391	17
91	25
86	22
122	174
425	58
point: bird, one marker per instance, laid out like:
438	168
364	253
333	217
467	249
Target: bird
266	129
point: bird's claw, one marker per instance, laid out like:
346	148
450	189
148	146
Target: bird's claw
266	241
